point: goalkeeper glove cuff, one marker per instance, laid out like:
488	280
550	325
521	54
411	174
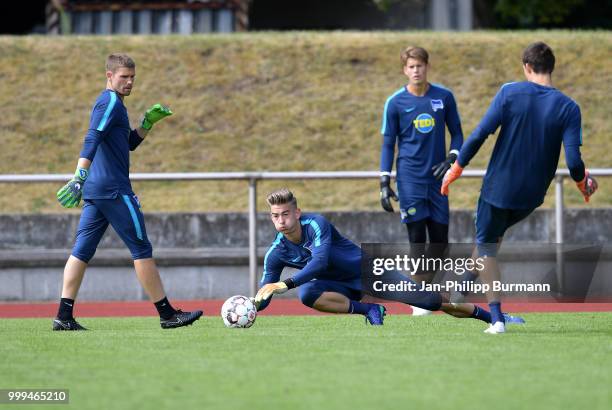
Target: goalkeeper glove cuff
81	174
290	283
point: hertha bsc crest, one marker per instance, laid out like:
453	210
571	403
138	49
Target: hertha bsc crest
437	105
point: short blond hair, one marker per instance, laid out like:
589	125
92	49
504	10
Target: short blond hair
118	60
418	53
281	197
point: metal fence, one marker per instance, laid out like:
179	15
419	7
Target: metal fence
253	177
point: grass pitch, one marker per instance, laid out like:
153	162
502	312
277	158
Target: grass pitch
326	362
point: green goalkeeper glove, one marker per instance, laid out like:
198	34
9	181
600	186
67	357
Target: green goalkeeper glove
70	194
154	114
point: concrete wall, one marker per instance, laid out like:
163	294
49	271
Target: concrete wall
206	255
205	230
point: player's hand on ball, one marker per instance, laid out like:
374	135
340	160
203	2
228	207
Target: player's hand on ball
155	113
440	169
587	186
386	193
70	194
270	289
451	175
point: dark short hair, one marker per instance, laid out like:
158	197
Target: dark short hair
118	60
418	53
281	197
540	57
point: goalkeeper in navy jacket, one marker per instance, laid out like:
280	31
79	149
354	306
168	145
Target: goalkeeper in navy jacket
102	180
535	119
415	118
329	268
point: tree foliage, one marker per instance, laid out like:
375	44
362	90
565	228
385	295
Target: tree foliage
535	13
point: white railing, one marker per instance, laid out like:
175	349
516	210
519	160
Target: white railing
254	177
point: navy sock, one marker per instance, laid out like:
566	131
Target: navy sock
164	308
481	314
358	308
65	309
496	313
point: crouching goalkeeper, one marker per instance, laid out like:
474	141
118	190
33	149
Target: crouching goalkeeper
329	275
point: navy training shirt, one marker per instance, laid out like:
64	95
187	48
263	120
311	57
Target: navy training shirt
323	253
417	124
107	144
534	120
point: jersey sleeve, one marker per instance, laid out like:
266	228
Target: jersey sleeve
488	125
103	113
572	140
273	267
389	131
319	232
453	123
100	121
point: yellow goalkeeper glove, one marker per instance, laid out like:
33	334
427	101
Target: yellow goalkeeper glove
270	289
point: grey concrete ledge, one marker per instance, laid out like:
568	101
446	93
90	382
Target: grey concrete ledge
220	257
53	258
206	255
230	230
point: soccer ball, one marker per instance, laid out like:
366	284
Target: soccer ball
238	311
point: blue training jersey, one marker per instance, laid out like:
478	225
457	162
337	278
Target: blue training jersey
323	253
107	144
417	124
534	121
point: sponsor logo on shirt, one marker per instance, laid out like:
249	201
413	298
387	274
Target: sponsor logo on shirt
424	123
437	105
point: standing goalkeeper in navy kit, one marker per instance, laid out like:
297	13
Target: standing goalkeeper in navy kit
102	180
415	118
534	120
